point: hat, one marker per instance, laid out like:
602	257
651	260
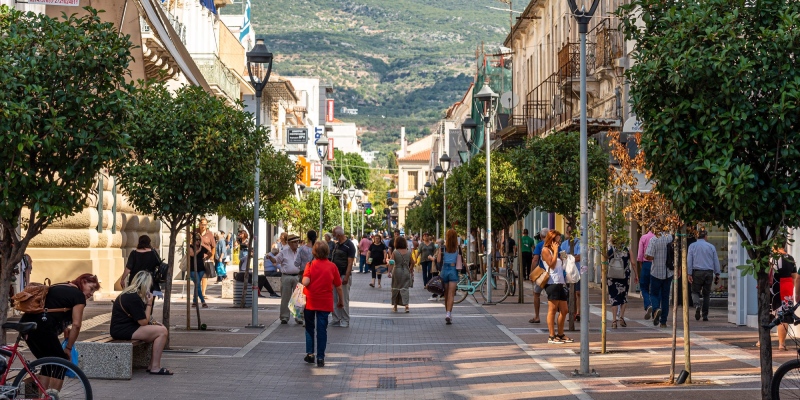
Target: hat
293	238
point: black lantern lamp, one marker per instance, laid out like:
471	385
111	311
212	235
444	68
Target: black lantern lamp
444	161
438	172
259	60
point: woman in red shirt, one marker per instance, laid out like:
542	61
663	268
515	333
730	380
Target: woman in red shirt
319	279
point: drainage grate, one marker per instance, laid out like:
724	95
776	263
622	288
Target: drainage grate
387	382
415	359
388	322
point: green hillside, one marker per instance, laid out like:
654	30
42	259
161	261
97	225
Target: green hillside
399	62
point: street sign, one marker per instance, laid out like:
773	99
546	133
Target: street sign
297	135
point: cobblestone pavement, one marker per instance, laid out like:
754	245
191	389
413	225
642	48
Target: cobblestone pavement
381	355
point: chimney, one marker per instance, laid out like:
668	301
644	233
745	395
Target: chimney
403	142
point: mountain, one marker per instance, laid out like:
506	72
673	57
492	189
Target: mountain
399	62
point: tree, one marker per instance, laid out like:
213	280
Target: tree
554	173
304	215
278	176
64	104
716	85
352	166
174	171
377	187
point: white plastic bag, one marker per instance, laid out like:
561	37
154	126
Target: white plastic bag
573	275
297	302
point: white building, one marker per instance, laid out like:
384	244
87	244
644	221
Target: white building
345	136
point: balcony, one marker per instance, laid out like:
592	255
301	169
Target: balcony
609	45
222	80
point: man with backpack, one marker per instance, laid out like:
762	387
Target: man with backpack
660	277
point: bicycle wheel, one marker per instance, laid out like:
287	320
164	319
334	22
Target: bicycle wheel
461	294
786	381
512	282
67	381
500	289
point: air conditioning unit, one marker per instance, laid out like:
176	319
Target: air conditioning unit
556	105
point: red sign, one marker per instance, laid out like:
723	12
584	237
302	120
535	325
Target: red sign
329	112
330	148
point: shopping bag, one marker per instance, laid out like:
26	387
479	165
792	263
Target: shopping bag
73	358
571	270
297	302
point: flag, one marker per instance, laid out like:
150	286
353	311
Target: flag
209	4
245	30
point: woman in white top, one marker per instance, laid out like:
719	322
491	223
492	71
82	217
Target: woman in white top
555	289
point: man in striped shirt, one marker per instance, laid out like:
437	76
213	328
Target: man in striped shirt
660	277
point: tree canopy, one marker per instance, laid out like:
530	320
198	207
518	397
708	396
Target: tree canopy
64	104
352	166
716	86
553	177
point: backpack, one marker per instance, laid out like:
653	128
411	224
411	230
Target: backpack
670	256
31	300
616	267
162	270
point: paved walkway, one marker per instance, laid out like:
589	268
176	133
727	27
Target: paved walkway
382	355
488	352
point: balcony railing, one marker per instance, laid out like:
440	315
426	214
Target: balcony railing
609	44
217	74
549	105
569	59
179	27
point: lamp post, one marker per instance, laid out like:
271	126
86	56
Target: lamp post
583	17
341	184
351	194
322	151
444	161
259	68
360	206
467	128
489	99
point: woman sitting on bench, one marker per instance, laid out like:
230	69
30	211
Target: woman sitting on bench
131	319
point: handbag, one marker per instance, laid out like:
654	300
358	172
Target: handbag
210	268
435	285
161	271
540	276
571	270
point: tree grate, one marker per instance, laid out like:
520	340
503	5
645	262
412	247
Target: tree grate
387	382
417	359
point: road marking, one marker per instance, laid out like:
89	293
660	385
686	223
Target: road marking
567	383
258	339
397	344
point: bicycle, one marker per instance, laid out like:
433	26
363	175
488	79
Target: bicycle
511	274
50	378
466	286
788	373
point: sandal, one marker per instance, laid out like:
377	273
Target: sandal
534	320
394	309
782	348
371	285
554	340
564	339
614	324
622	322
406	309
162	371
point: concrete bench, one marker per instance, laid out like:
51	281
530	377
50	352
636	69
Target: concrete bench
102	357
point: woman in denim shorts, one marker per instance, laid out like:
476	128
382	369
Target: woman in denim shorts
450	260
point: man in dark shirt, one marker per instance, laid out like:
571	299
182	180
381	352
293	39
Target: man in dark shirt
343	254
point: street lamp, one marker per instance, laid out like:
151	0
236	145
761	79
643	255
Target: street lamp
341	184
426	188
467	128
259	68
444	161
583	17
488	99
322	151
351	194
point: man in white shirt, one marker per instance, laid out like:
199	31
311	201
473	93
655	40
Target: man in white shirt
289	275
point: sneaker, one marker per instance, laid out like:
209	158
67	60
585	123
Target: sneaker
321	362
662	326
284	322
343	324
309	358
334	323
697	313
648	313
554	340
448	321
655	317
299	321
275	295
705	318
433	298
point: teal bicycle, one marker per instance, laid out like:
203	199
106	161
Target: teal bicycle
500	287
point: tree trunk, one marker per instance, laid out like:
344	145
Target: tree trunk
675	282
173	236
687	344
764	336
520	269
603	274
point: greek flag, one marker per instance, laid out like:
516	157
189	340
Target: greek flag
246	24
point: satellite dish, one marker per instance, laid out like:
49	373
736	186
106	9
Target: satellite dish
509	100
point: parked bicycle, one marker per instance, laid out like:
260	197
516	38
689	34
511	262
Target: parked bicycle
786	380
466	286
511	274
50	378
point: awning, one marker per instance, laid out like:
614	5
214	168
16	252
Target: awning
159	23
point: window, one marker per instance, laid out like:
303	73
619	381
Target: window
412	181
